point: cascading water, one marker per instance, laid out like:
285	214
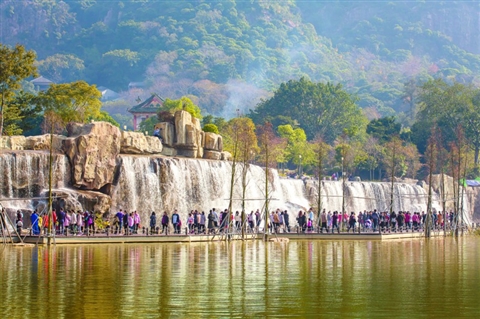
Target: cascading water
158	183
149	184
359	196
25	175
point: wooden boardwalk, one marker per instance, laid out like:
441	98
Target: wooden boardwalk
141	238
353	236
122	239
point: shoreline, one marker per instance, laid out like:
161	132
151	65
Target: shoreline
280	237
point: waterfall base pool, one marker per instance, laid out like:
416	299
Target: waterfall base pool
436	278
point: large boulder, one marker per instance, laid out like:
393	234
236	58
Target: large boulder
4	142
154	145
169	151
167	133
17	143
211	141
81	200
138	143
196	123
42	142
226	156
92	150
220	143
182	119
212	155
187	130
200	142
14	143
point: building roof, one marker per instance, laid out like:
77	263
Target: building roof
41	81
150	105
107	94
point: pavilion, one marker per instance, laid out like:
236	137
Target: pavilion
145	109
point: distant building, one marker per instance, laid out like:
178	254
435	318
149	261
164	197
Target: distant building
41	83
145	109
107	94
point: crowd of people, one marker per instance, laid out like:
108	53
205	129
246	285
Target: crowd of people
279	221
196	222
62	223
373	221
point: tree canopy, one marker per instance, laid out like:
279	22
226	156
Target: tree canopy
320	109
71	102
183	103
448	106
16	64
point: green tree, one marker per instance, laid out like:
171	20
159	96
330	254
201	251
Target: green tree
148	125
61	67
184	103
105	117
298	150
119	67
210	127
240	139
16	64
449	107
384	128
70	102
324	110
22	114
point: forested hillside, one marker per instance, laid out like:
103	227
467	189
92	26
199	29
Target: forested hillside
228	54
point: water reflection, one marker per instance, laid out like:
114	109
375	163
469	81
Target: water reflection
435	278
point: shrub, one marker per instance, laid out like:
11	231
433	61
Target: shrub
210	128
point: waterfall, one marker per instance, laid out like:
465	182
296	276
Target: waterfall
25	175
149	184
371	195
159	183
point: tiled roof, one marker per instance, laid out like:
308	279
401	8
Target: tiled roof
150	105
41	81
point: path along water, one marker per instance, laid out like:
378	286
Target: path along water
436	278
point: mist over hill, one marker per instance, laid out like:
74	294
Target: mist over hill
227	55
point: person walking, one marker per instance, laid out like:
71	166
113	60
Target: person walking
352	220
202	220
153	222
34	221
119	217
136	222
176	222
165	221
211	222
286	220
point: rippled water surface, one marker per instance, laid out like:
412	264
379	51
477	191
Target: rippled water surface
439	278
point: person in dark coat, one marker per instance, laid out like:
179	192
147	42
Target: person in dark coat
302	221
211	222
153	222
165	221
286	221
225	221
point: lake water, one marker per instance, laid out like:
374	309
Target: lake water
437	278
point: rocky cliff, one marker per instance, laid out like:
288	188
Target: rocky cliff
88	159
